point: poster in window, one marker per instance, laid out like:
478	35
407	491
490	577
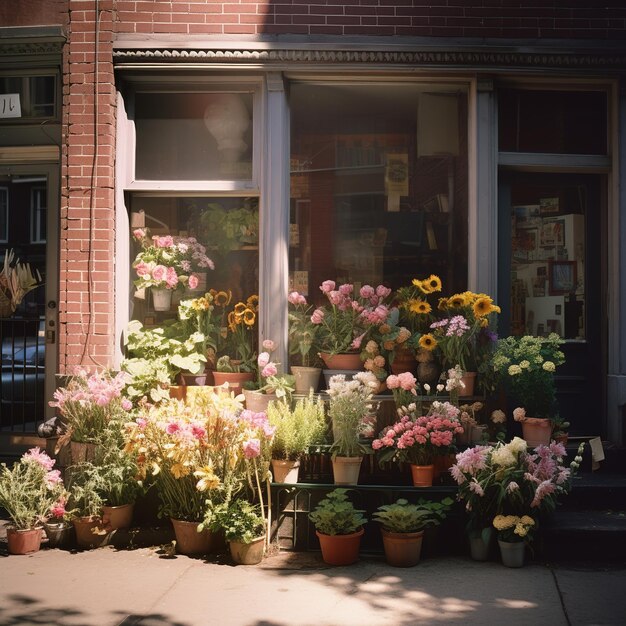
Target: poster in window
563	279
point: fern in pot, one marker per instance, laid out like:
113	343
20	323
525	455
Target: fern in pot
296	427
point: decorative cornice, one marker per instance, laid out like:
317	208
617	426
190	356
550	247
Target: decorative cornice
31	48
609	59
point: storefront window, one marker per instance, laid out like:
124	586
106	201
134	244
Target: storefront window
193	136
378	185
27	97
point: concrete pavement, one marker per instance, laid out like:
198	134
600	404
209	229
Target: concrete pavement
108	586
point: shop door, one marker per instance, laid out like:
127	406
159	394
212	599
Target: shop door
28	230
552	269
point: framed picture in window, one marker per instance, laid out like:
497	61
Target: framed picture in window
562	277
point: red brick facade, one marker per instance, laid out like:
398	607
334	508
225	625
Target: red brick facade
87	259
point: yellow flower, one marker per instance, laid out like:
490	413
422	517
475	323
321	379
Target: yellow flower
179	470
420	306
456	301
433	282
529	521
223	298
418	283
240	307
443	304
208	480
249	317
428	342
253	302
482	306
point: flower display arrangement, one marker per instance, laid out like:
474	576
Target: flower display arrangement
514	528
345	321
240	337
268	380
89	402
404	389
415	306
302	330
525	366
167	262
417	438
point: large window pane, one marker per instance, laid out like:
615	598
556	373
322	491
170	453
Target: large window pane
37	94
378	185
193	136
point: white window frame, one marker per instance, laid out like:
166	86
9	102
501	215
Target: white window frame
4	206
36	194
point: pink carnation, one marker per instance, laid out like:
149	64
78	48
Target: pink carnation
139	233
159	273
127	405
328	286
318	316
346	289
366	292
251	448
296	298
58	509
269	370
40	457
382	291
193	281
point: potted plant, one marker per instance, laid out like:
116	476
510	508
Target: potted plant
345	321
165	263
402	529
295	429
417	438
269	385
350	404
58	524
560	429
27	491
526	367
302	342
16	280
339	527
514	532
244	529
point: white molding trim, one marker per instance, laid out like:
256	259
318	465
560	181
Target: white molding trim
28	154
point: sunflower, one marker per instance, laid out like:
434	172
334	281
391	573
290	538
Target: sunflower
428	342
482	306
421	285
457	301
240	307
249	317
223	298
233	321
433	282
443	304
419	306
253	302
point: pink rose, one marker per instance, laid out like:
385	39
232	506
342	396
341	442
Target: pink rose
346	289
263	359
163	242
382	291
159	273
296	298
139	233
269	370
318	316
142	268
171	278
269	345
366	292
328	286
193	281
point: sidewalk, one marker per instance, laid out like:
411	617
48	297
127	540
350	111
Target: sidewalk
108	586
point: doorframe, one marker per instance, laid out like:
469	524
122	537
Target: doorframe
51	170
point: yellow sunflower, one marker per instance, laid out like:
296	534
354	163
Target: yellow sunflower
428	342
457	301
433	282
240	307
421	285
482	306
443	304
233	321
419	306
253	302
249	317
223	298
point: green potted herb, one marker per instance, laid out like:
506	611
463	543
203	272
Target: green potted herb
244	529
339	527
296	428
403	526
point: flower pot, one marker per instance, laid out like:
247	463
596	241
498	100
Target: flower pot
342	361
307	378
402	549
60	534
422	475
536	431
480	543
477	435
81	452
403	361
23	541
234	379
90	532
328	374
256	401
178	392
346	469
247	553
115	517
161	299
512	553
285	471
469	380
340	549
194	380
189	540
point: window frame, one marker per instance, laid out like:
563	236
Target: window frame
36	211
26	103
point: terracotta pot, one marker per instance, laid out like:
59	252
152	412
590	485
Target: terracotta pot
115	517
403	361
23	541
422	475
194	380
189	540
285	471
469	380
480	543
307	378
81	452
257	401
346	469
340	549
234	379
60	534
536	431
512	553
90	532
402	549
161	299
342	361
178	392
247	553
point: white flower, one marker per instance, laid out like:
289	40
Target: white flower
517	445
524	364
519	414
498	417
514	370
548	366
503	457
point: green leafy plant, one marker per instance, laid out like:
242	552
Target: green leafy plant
84	486
229	229
297	427
302	331
149	378
403	517
336	515
560	426
240	520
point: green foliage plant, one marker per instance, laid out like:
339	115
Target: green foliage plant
336	515
403	517
240	520
297	427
